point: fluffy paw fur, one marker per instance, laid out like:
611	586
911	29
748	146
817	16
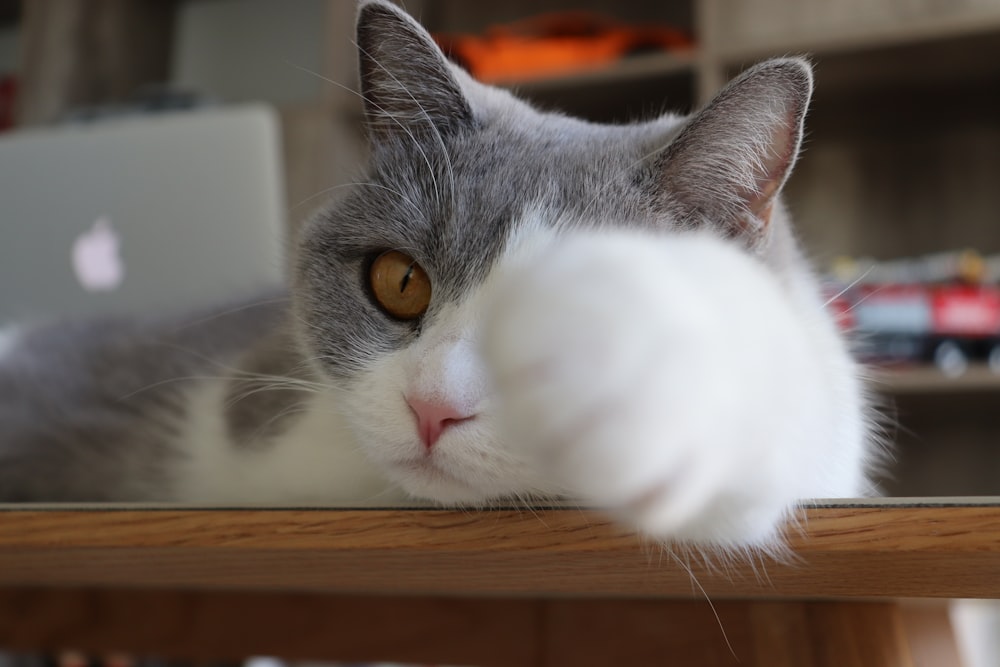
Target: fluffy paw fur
667	379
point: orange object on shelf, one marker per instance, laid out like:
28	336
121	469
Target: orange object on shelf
556	43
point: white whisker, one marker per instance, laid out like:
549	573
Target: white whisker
406	199
430	122
694	580
847	289
388	115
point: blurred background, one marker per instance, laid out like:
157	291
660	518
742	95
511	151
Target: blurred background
897	193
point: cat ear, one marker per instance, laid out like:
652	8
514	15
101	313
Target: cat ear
406	82
728	164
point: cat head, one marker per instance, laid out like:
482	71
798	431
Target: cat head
391	280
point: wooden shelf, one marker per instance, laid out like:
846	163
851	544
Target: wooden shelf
861	36
633	88
929	380
628	69
888	549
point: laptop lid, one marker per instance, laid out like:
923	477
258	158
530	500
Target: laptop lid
143	215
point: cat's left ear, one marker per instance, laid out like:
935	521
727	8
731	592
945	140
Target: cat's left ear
728	164
407	84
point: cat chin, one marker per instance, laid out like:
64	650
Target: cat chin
435	485
446	481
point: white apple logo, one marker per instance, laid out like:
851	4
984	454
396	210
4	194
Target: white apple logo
96	259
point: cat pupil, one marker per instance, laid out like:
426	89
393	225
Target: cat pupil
399	285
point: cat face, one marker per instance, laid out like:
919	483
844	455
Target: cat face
392	283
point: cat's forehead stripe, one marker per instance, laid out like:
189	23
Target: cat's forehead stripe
469	200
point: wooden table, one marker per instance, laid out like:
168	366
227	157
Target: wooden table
496	588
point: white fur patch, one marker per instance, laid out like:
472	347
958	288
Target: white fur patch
316	462
672	378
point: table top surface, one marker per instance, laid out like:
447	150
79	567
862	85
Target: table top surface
890	548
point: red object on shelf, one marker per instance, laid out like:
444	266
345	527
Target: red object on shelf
965	310
556	43
8	99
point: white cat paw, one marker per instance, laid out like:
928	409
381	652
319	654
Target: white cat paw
623	372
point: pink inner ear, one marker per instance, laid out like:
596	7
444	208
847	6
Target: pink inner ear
774	169
729	162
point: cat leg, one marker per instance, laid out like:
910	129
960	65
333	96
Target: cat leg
672	380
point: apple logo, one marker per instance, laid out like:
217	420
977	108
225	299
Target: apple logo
97	262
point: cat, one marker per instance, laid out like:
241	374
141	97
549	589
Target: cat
513	305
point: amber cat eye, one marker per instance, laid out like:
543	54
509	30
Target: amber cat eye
400	286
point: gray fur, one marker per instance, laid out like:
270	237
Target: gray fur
88	411
447	189
263	397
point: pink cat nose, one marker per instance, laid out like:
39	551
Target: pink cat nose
433	418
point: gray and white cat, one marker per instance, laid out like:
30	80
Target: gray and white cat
513	305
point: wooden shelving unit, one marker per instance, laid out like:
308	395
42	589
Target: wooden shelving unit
836	550
928	379
634	68
544	552
903	157
552	587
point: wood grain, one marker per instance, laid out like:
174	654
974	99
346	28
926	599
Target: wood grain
835	552
232	625
487	632
728	634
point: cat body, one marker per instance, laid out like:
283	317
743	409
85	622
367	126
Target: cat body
615	314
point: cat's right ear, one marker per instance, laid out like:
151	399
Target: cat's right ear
730	161
407	84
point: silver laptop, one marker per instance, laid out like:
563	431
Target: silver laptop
142	215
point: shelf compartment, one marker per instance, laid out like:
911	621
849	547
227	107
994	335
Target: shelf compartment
639	87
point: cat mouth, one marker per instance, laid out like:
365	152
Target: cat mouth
426	478
427	467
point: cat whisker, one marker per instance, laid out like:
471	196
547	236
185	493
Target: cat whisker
297	408
384	492
694	580
278	382
528	505
847	289
332	82
216	378
229	311
430	122
241	374
161	383
305	323
406	199
232	373
263	388
385	113
860	301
